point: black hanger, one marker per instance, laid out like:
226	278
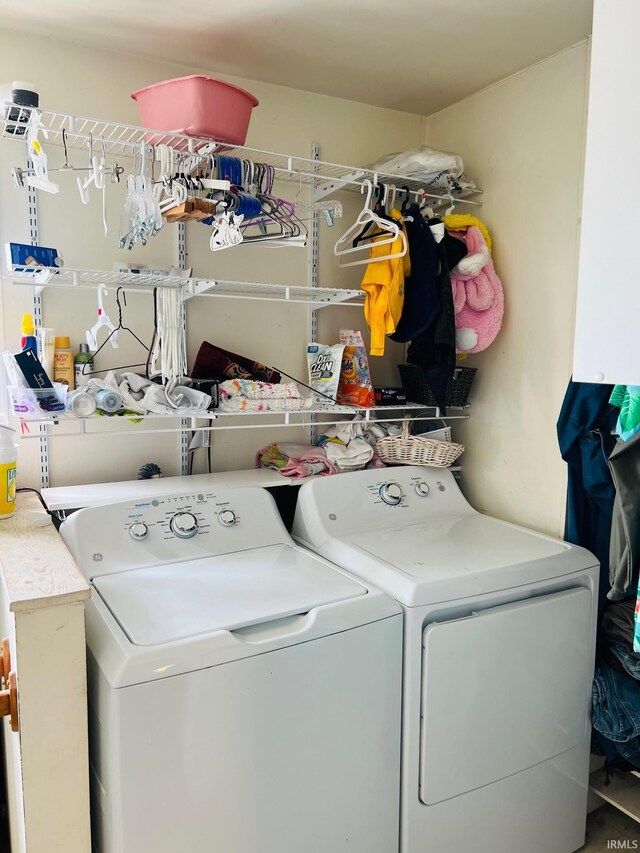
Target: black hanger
122	328
407	198
379	210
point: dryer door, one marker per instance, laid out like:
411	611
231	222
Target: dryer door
503	690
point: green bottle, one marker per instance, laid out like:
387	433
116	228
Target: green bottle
83	363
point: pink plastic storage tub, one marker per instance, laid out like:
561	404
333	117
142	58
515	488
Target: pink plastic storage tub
197	106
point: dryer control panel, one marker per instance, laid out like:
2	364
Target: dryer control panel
398	490
180	527
385	497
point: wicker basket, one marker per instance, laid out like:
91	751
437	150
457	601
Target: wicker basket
418	391
407	449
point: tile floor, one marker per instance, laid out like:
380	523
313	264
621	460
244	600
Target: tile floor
608	824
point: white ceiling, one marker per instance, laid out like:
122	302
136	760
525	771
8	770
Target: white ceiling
412	55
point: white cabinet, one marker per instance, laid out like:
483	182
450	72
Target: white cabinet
42	594
607	339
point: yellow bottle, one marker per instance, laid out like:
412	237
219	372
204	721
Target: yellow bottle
8	459
63	366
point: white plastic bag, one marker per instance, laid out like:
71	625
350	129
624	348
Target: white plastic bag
434	168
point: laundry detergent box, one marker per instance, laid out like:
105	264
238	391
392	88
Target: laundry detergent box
355	388
324	364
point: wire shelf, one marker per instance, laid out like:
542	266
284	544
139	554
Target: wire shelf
144	282
218	420
126	140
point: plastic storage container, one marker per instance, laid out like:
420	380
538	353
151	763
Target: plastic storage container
197	106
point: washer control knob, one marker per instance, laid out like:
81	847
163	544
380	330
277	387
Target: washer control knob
184	525
138	531
422	489
391	494
227	518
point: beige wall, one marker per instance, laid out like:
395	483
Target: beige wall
522	140
91	82
521	145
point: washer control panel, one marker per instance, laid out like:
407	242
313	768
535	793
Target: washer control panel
391	493
172	528
184	525
181	518
227	518
138	531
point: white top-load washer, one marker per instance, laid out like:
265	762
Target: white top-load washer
244	694
498	657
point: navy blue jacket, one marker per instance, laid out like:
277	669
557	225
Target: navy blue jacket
585	427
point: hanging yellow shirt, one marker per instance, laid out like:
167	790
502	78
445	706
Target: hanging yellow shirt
383	284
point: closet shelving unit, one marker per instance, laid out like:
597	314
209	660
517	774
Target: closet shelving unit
623	791
125	140
318	297
117	140
218	420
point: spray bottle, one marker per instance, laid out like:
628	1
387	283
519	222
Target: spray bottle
8	459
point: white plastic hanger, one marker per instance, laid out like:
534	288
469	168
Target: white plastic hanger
365	216
103	321
40	177
452	205
95	176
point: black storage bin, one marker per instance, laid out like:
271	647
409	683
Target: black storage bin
418	391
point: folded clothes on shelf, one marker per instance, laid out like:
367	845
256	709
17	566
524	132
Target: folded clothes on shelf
142	396
351	445
295	460
346	446
244	395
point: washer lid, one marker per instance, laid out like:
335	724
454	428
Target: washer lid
179	600
447	558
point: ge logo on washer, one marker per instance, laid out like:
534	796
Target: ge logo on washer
97	558
332	516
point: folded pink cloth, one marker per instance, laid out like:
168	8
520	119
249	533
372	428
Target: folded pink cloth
295	460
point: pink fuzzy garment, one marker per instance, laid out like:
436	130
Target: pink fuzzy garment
478	297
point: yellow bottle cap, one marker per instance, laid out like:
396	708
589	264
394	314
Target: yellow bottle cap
62	343
27	324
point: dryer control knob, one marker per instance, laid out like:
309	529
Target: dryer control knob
422	489
138	531
184	525
391	493
227	517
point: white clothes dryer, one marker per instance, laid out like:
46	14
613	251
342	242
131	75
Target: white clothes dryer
244	694
499	639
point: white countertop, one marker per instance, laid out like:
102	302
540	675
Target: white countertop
36	568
